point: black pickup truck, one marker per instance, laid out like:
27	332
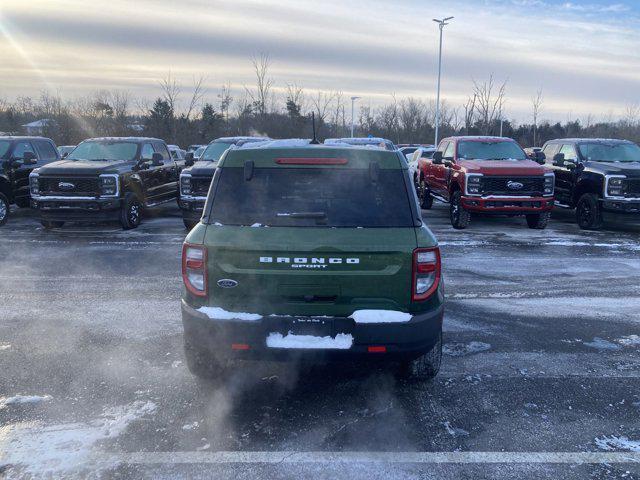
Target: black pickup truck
598	177
196	178
18	158
105	179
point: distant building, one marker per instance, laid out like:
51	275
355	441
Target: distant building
38	127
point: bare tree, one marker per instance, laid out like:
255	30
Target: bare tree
196	96
295	93
536	105
490	99
170	91
321	104
262	96
225	100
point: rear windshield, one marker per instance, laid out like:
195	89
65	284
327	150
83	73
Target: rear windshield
490	150
311	197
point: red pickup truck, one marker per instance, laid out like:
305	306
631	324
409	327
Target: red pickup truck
488	175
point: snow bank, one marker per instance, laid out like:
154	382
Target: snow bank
23	400
57	450
618	443
342	341
217	313
380	316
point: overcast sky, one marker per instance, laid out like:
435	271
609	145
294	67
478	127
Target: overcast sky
585	56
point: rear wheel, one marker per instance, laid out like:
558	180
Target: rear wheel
588	212
201	364
426	366
424	195
130	212
189	224
539	220
4	208
49	224
460	218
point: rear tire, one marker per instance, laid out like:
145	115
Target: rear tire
425	367
130	212
460	218
588	212
202	365
424	195
4	209
189	224
538	221
49	224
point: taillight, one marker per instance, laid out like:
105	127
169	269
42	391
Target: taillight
426	273
194	269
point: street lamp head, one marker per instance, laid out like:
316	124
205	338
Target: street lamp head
355	98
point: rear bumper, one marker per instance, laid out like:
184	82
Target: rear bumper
508	205
78	210
404	340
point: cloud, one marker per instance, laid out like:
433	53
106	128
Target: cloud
584	63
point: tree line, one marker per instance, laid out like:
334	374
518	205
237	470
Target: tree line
187	115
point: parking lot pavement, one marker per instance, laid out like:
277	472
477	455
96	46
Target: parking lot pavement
540	375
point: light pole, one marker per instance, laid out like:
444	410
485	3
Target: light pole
441	24
353	103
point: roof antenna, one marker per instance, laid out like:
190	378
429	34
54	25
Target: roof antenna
313	123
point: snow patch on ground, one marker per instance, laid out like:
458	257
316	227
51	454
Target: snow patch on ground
342	341
455	432
629	341
601	344
618	443
56	450
5	346
380	316
23	400
462	349
217	313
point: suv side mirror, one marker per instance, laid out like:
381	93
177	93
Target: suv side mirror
437	158
156	159
558	159
188	160
539	157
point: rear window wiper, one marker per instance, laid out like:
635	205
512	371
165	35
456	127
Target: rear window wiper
302	214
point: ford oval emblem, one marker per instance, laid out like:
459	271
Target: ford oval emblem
66	186
227	283
515	185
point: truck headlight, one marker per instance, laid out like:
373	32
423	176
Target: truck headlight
108	185
34	185
473	184
615	186
185	184
549	184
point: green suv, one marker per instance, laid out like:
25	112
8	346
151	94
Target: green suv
312	251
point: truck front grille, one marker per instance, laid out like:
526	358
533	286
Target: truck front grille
200	186
531	186
633	187
69	186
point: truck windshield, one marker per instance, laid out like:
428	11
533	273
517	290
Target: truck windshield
612	152
214	151
490	150
4	147
311	197
97	151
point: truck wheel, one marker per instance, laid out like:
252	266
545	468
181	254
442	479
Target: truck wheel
4	208
49	224
460	218
202	365
588	212
424	195
189	224
538	220
426	366
130	212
